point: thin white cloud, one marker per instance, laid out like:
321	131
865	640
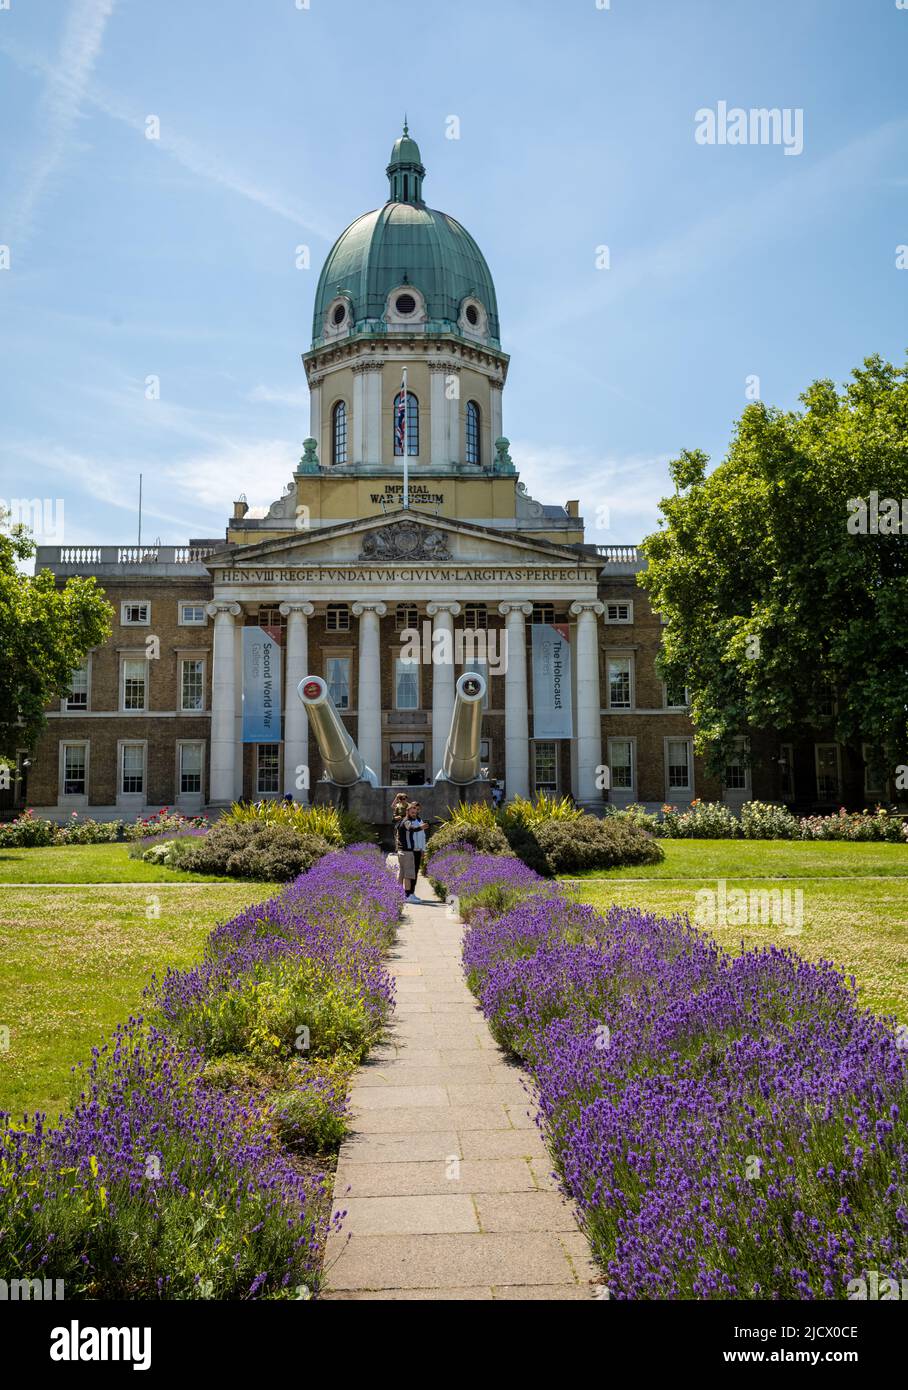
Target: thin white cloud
619	496
61	102
179	148
269	395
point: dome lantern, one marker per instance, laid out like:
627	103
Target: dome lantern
405	170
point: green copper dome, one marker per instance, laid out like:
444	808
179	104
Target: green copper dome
408	244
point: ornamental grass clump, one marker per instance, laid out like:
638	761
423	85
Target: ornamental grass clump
727	1127
178	1174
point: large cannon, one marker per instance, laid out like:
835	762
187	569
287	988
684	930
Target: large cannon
343	762
461	758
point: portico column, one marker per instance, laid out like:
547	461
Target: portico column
223	703
368	699
516	712
296	721
442	615
589	723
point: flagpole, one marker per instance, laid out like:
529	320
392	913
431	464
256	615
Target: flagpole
406	460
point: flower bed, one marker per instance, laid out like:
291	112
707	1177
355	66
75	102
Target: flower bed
182	1170
760	820
29	831
727	1127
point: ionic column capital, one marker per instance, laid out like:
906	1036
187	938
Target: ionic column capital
307	609
217	609
513	606
369	606
443	606
584	605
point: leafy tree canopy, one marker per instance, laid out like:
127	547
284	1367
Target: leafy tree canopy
778	587
45	634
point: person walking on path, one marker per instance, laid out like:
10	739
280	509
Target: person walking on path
408	829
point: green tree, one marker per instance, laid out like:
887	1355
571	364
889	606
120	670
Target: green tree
772	597
45	634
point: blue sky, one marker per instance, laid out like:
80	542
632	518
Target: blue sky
176	258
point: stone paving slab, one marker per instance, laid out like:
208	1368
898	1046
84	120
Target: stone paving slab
444	1179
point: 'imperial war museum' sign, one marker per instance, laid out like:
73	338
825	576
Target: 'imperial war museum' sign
261	687
551	681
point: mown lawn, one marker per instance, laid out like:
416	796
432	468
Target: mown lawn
90	864
855	907
772	858
74	962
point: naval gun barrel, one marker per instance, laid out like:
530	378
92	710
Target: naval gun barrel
461	758
344	764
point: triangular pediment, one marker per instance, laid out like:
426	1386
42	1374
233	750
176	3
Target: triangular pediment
397	538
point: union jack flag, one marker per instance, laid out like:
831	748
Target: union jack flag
400	422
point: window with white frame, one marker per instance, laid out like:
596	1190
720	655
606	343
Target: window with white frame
406	615
190	768
337	617
619	682
268	768
873	771
734	778
827	765
74	769
678	765
132	768
545	766
406	684
475	617
676	696
543	613
192	684
337	679
77	696
786	771
621	764
134	613
621	611
826	703
485	751
270	616
134	683
193	615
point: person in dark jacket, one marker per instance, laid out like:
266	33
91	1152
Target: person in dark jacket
410	831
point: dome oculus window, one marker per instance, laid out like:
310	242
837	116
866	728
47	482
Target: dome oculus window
472	315
405	304
339	314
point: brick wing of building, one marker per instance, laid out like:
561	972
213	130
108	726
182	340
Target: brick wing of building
344	568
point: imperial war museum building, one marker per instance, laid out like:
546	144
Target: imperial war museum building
388	597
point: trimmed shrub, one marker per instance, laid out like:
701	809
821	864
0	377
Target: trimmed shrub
570	846
254	849
706	820
486	838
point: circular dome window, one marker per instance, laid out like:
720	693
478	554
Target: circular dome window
340	313
405	304
472	315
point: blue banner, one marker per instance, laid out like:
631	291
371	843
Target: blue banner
261	687
551	680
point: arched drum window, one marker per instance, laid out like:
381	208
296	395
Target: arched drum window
472	432
412	425
339	433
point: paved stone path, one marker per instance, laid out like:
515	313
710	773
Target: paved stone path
445	1179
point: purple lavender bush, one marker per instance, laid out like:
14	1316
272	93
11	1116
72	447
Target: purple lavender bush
727	1127
166	1180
